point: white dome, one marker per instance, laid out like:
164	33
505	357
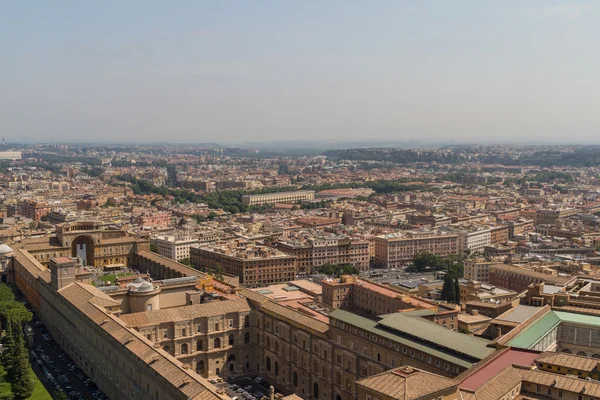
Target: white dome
5	249
145	287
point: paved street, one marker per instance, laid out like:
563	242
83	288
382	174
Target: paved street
237	387
57	371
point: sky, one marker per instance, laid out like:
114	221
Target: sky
236	71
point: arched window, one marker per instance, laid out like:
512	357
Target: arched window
166	348
246	321
200	367
199	345
231	340
184	348
316	390
217	343
268	342
231	357
276	347
247	337
269	364
295	378
581	353
276	368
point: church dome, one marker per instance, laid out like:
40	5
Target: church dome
4	249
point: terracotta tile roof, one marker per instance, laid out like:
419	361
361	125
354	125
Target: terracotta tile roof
495	388
79	292
294	318
563	382
43	243
569	361
185	313
33	266
170	264
559	280
407	383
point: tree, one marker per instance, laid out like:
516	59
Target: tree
154	248
60	395
338	270
22	383
448	290
456	291
6	294
185	261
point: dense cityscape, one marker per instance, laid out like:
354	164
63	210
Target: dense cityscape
208	271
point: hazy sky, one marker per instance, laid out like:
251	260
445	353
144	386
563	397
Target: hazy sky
228	71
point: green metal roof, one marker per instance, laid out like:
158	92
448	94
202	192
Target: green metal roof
590	320
443	343
535	332
430	332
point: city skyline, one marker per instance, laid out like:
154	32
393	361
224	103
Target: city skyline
233	73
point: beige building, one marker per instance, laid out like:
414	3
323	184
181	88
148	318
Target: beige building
212	338
315	252
84	322
280	197
254	264
395	250
91	242
351	293
478	269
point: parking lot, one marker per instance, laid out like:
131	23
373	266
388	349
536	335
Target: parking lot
57	371
244	388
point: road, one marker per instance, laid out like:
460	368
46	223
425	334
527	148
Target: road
57	367
243	382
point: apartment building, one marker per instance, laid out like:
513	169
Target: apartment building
478	269
550	217
174	247
474	241
397	249
34	209
254	264
428	219
160	218
499	234
280	197
517	228
518	278
315	252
